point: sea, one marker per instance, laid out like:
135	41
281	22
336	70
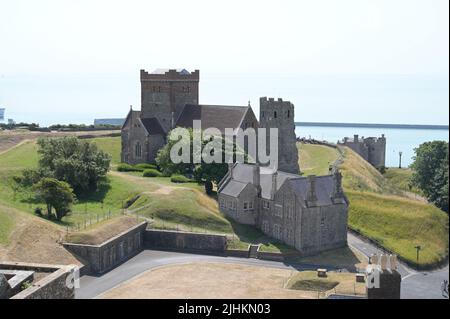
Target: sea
397	140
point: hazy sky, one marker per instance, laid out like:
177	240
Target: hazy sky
346	60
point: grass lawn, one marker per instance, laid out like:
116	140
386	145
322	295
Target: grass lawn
342	283
110	145
380	210
102	231
316	159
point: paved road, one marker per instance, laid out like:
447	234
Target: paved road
91	286
414	284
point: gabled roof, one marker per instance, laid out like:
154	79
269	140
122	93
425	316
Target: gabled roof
131	113
217	116
233	188
243	173
152	126
324	188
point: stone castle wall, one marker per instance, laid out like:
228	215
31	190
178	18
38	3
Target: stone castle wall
280	114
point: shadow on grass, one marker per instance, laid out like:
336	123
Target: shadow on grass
251	235
104	186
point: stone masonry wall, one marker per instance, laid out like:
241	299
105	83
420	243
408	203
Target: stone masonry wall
185	241
101	258
58	284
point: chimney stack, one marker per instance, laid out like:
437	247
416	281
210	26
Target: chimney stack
257	177
312	196
274	184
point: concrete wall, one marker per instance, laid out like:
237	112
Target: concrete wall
101	258
184	241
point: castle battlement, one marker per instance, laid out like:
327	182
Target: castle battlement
372	149
264	101
170	75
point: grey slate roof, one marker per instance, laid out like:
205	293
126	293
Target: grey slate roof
217	116
152	126
233	188
243	175
324	188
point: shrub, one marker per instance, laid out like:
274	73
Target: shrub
151	173
180	179
38	211
144	166
124	167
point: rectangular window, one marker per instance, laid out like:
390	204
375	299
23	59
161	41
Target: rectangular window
265	226
266	204
245	205
278	210
250	205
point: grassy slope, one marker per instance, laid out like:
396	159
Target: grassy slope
7	223
109	197
381	211
316	159
185	206
401	178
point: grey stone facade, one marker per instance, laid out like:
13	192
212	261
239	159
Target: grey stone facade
280	114
372	149
308	213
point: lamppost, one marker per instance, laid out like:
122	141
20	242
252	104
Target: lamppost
418	247
400	159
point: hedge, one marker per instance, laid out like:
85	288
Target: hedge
151	173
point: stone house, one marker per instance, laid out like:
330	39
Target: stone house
308	213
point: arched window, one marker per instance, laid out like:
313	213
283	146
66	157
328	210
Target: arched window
275	114
138	150
288	113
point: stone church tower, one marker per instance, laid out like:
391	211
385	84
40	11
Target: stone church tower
280	114
164	93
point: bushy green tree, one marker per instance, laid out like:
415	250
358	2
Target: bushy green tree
431	172
79	163
55	194
207	173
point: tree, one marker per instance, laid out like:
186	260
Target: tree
79	163
56	194
431	172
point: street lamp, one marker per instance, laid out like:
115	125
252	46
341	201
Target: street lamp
418	247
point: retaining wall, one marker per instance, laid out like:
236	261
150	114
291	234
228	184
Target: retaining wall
185	241
104	257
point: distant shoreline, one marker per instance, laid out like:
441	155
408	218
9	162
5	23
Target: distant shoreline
373	125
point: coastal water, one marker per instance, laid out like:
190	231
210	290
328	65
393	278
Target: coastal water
397	140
